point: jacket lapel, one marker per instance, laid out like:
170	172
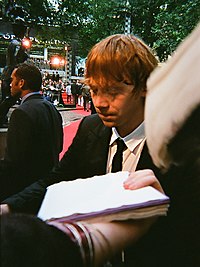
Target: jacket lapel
100	138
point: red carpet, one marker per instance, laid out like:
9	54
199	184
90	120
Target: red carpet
69	133
70	130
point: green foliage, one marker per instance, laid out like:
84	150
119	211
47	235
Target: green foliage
103	20
162	24
173	23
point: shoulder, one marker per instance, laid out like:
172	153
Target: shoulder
37	105
92	121
93	124
18	117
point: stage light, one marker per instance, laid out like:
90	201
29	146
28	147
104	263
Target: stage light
26	43
55	60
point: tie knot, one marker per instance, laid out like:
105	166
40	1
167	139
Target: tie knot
120	144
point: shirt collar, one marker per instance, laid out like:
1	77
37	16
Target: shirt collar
29	94
132	139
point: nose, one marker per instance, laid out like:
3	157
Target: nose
100	101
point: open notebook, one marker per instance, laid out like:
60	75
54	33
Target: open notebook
101	198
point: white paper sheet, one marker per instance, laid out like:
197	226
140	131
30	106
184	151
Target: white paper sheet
94	194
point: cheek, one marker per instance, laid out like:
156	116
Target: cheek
126	106
15	85
121	103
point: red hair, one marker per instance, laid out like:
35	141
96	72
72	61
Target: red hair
119	58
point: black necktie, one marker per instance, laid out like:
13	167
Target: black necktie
118	157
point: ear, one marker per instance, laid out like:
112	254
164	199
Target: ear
21	83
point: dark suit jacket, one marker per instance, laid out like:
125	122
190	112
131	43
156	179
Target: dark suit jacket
168	242
34	141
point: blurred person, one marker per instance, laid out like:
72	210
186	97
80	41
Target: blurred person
53	76
35	135
60	87
79	93
27	240
86	97
172	115
69	93
74	92
57	76
16	53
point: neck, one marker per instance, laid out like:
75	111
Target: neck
25	92
124	131
130	125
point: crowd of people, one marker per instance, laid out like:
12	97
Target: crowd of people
77	93
155	112
53	87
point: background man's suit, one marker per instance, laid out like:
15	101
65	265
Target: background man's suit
34	141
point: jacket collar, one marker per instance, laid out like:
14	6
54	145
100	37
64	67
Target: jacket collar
29	95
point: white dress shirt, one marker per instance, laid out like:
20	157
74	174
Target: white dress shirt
134	142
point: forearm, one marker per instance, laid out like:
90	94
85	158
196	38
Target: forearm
28	200
99	242
113	237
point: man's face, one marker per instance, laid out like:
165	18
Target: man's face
118	106
16	85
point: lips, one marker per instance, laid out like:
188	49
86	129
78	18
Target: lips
106	117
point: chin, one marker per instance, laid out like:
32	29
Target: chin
109	123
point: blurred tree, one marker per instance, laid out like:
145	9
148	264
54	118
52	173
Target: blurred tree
162	24
175	20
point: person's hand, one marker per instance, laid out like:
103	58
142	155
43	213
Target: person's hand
141	179
4	208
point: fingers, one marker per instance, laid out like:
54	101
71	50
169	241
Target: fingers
141	179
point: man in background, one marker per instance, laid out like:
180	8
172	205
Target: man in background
35	134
